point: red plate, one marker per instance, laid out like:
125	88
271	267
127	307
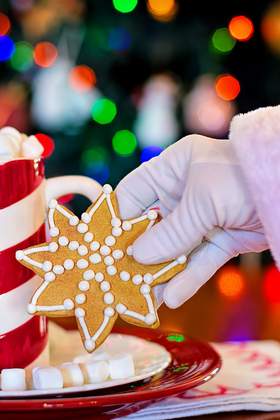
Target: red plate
193	362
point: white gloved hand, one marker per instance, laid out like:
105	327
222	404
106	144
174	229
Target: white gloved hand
208	212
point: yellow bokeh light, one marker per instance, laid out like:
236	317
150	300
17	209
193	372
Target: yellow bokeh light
162	10
230	282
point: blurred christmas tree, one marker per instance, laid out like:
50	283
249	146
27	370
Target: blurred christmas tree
115	82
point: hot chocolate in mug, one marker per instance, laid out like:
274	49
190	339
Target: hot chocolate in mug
24	194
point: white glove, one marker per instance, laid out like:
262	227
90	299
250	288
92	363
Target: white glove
208	212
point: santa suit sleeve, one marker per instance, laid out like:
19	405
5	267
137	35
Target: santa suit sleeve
256	139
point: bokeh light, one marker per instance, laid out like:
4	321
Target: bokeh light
7	48
22	58
82	78
124	142
230	282
149	152
103	111
222	41
163	10
45	54
271	285
270	27
119	39
5	24
227	87
47	143
125	6
241	28
95	163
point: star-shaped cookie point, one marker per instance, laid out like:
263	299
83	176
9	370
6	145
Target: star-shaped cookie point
88	270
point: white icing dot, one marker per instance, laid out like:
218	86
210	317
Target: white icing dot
120	308
109	311
108	298
105	250
84	285
124	275
148	278
47	266
116	222
19	255
152	215
95	258
88	275
82	250
150	319
137	279
53	246
73	245
80	312
116	231
82	263
99	277
73	220
82	228
58	269
145	289
182	259
88	237
63	241
31	309
81	298
89	344
105	286
111	270
107	189
110	240
94	246
54	231
68	304
126	225
118	254
49	276
129	250
52	204
108	260
86	217
68	264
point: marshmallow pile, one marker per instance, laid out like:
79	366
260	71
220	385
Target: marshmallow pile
14	145
98	368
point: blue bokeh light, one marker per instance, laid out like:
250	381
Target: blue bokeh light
7	48
98	171
150	152
119	39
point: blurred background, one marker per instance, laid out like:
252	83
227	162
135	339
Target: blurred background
106	85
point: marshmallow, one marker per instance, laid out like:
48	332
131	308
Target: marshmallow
121	366
9	147
31	148
13	380
11	131
99	355
47	378
95	371
72	374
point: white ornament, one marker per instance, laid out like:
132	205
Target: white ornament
107	189
88	275
116	222
105	250
105	286
120	308
94	246
137	279
152	215
47	266
110	240
88	237
68	304
108	260
73	220
54	231
108	298
86	218
81	298
82	250
111	270
124	275
89	345
68	264
126	226
116	231
73	245
82	228
95	258
52	204
63	241
82	263
182	259
49	276
20	255
118	254
148	278
109	311
80	312
58	269
129	250
31	309
145	289
150	319
84	285
53	246
99	277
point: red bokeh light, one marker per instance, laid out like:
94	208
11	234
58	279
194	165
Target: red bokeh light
271	285
82	78
5	24
230	282
241	28
45	54
47	143
227	87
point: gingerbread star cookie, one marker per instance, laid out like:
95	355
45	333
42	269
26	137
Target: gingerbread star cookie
88	270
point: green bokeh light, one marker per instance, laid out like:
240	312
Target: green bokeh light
96	155
124	142
222	40
125	6
179	338
22	58
103	111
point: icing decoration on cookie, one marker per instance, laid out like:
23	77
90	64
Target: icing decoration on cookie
89	272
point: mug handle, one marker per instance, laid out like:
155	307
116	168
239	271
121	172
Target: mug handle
72	184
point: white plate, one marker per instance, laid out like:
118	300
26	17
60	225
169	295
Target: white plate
149	359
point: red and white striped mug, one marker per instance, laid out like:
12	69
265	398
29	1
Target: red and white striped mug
24	192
